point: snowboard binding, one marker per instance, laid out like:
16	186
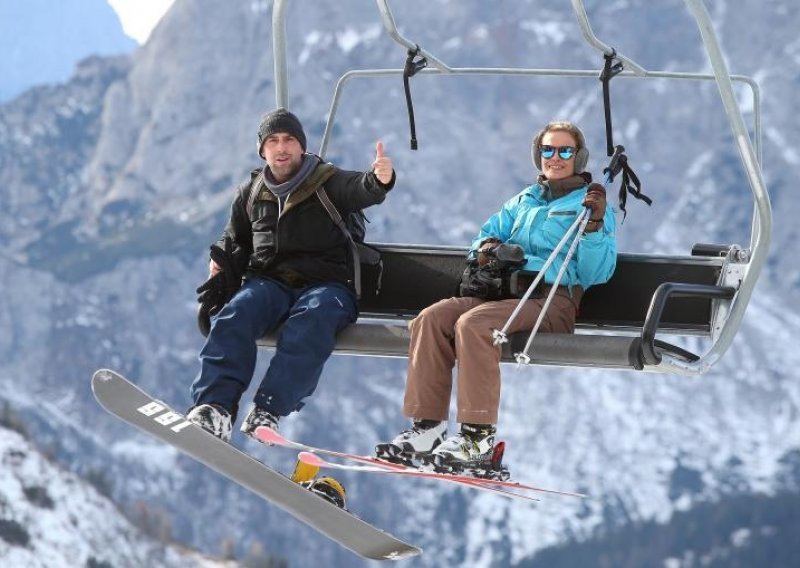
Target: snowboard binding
326	487
329	489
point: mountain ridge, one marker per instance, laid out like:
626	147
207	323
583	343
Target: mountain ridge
170	130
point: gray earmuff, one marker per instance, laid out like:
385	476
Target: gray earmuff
581	156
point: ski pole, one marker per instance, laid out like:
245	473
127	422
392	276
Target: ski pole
523	357
500	335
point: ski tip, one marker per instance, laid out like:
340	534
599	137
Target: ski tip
310	459
408	553
103	375
270	436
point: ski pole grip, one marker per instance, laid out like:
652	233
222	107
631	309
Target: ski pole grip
615	164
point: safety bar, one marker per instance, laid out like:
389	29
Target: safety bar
572	73
281	73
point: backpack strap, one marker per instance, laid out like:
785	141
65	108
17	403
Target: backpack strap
255	190
339	222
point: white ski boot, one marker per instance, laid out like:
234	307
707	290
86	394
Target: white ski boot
470	452
419	440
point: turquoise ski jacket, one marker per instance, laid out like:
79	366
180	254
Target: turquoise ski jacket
538	224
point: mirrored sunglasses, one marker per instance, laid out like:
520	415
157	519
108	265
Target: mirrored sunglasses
564	152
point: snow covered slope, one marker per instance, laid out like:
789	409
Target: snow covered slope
50	517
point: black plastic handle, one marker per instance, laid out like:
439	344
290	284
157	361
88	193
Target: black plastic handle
656	309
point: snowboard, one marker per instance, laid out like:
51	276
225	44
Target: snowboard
126	401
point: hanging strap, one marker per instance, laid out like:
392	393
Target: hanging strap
630	181
630	184
610	70
339	222
411	68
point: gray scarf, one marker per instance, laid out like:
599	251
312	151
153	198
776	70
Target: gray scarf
282	190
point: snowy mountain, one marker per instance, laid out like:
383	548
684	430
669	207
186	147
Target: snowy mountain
50	517
42	40
115	182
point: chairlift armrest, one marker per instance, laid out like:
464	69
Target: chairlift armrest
660	297
710	249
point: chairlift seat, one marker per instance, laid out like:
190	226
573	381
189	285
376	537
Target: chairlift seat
612	322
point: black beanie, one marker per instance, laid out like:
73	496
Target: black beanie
280	120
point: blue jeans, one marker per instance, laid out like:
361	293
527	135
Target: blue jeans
311	318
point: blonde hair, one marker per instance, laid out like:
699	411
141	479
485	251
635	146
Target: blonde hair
563	126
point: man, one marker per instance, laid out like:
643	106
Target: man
298	274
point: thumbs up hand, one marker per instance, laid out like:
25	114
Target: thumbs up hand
382	166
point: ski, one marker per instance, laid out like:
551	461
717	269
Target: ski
128	402
269	436
313	459
507	488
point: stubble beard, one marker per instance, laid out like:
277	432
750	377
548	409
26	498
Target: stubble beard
285	172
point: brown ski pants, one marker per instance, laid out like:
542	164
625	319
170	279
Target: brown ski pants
458	331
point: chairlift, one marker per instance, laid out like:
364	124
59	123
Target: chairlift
703	294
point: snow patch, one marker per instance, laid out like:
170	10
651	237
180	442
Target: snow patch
153	456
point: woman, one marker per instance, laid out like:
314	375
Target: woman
458	331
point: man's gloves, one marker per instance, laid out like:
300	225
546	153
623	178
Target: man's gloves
217	291
596	200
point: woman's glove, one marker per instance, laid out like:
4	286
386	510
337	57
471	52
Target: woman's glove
485	250
596	201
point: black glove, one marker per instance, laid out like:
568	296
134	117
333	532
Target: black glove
214	293
218	290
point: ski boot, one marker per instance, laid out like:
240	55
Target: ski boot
258	417
494	469
413	443
471	452
326	487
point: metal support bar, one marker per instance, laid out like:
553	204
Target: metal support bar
591	39
279	53
391	28
763	212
